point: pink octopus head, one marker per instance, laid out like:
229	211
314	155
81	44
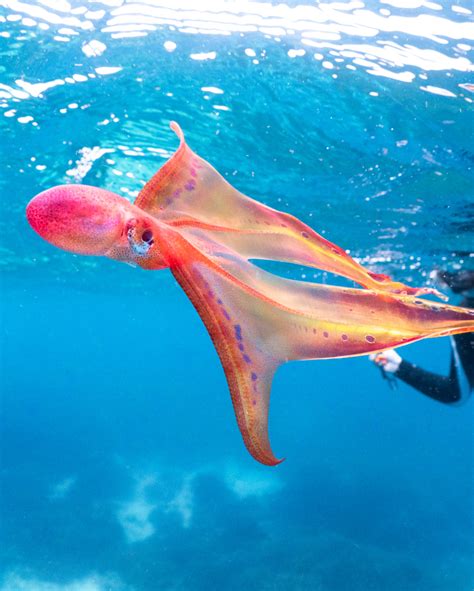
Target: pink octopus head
88	220
77	218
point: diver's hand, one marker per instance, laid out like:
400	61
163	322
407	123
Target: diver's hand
389	360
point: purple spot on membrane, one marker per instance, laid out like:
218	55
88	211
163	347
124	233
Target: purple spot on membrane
210	294
193	172
254	402
219	301
247	359
241	347
344	337
254	376
325	335
305	234
189	186
177	192
370	339
238	332
226	314
168	201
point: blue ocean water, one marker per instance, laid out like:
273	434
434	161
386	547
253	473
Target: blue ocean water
122	468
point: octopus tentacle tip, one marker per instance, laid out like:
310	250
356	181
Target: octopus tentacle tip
177	129
270	460
440	295
432	291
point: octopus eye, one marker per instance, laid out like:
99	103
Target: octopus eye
147	236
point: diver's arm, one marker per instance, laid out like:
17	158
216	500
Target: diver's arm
444	389
447	389
464	344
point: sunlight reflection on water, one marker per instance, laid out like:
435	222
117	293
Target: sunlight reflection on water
339	32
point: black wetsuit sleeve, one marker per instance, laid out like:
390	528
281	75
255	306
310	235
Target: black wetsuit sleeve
445	389
441	388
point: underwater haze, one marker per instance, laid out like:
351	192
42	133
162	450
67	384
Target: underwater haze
122	467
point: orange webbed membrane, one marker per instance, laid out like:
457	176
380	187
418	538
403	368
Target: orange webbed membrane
187	191
189	218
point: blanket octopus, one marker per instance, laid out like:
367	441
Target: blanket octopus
189	219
